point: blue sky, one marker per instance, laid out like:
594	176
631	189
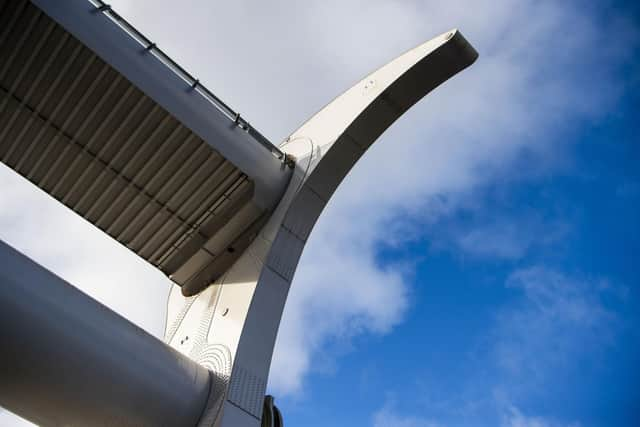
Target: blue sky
482	254
545	324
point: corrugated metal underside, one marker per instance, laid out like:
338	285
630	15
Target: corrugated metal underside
82	132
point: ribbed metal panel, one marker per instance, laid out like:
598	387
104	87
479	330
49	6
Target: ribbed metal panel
82	132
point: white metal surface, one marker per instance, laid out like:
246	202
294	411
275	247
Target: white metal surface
67	360
241	311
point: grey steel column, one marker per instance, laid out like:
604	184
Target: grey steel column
66	359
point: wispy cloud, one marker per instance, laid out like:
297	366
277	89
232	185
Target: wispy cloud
556	323
558	319
388	416
513	417
495	241
341	296
552	325
483	231
9	419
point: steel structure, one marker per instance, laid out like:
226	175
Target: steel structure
93	113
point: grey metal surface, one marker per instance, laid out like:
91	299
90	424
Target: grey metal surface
83	132
130	56
66	359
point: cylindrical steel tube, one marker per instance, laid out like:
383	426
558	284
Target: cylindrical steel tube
66	359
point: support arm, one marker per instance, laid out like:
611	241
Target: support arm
65	359
232	325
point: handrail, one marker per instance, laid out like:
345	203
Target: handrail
194	83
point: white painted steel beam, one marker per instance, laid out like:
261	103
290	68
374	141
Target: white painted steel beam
231	327
66	359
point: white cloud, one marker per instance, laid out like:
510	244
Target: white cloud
549	330
9	419
387	416
553	325
338	295
487	233
513	417
500	241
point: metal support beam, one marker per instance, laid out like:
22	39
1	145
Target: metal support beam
242	309
66	359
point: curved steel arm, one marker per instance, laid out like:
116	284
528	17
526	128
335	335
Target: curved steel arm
231	327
